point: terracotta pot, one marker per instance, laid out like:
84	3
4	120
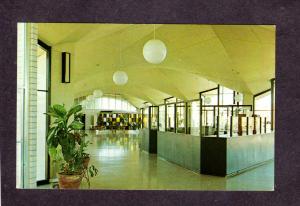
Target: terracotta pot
69	181
86	162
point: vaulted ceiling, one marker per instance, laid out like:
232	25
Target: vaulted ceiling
198	57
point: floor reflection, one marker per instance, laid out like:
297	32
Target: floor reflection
123	166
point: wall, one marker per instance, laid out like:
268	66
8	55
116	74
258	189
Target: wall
62	93
181	149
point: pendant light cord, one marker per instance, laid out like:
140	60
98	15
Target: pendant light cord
120	50
154	32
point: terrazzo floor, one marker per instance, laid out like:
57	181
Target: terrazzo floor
122	166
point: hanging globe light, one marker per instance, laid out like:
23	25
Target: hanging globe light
97	93
120	78
207	100
238	97
155	51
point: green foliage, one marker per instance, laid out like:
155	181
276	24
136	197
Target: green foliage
66	138
93	171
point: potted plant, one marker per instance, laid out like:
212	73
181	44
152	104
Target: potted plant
65	137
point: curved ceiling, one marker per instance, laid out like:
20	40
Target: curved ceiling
199	57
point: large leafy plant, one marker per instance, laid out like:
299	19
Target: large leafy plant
64	134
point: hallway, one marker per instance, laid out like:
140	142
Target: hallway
123	166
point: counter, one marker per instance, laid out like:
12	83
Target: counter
179	148
228	156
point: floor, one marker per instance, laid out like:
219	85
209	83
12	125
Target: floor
123	166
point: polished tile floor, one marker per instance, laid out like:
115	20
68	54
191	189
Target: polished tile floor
122	165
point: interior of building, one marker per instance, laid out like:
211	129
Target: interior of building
164	106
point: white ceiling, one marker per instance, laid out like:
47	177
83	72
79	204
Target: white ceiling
198	58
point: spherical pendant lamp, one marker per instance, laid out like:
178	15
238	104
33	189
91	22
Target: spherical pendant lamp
155	51
238	97
97	93
207	100
120	78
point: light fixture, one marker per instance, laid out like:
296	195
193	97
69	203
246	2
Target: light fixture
97	93
238	97
120	78
207	100
154	51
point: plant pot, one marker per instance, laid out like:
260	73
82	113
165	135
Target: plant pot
86	161
69	181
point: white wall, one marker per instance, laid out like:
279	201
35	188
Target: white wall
62	93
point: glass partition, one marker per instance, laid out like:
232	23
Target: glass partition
193	118
170	118
226	96
145	117
210	98
235	127
161	118
180	117
262	105
154	117
224	121
209	121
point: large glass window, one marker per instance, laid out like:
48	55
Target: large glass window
171	117
180	117
107	103
262	105
162	118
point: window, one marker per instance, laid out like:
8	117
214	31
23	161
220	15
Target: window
154	116
145	117
210	98
171	117
226	96
180	117
118	104
262	105
108	103
193	118
162	118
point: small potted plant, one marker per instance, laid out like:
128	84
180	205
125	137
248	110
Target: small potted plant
65	136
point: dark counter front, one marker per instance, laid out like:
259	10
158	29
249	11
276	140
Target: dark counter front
213	156
227	156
